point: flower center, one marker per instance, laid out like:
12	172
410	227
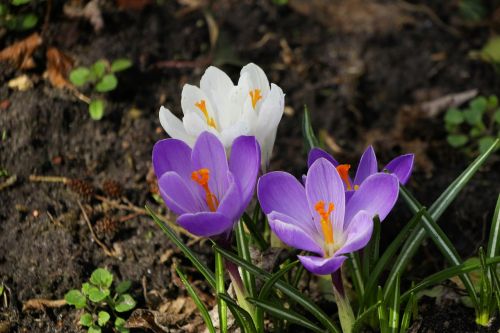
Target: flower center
326	223
256	96
203	108
202	176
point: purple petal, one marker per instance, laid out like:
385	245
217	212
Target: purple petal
323	183
244	164
280	192
177	194
367	166
231	205
316	153
401	167
172	155
376	195
358	233
291	233
320	265
205	224
209	153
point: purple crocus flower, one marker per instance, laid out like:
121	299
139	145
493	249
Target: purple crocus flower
316	218
400	166
208	193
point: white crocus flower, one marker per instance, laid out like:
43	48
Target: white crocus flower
253	107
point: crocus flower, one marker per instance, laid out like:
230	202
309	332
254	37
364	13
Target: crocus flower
316	218
400	166
252	107
207	192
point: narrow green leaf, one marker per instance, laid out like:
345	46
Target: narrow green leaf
201	267
382	312
102	278
244	252
102	318
285	314
361	319
220	289
298	275
287	289
86	320
96	109
107	83
75	297
406	319
266	289
394	307
371	251
199	304
124	303
241	316
310	139
353	262
120	65
256	234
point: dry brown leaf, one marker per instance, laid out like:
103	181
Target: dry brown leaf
20	53
435	107
41	304
58	67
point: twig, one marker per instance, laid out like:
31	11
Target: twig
9	182
106	250
49	179
40	304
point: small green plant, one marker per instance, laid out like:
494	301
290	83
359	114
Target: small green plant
96	298
11	20
101	77
474	128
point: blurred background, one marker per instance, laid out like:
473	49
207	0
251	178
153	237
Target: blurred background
81	83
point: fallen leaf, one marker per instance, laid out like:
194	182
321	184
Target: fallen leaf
41	304
58	66
436	106
20	53
21	83
148	319
91	12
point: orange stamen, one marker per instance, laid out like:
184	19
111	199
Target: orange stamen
256	96
343	170
326	224
203	108
202	177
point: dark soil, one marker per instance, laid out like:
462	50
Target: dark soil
363	82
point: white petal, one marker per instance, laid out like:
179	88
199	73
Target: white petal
191	95
216	85
257	78
174	127
229	134
271	111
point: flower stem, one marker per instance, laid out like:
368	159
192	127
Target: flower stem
346	315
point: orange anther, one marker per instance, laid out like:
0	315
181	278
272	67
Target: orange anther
202	176
326	223
203	108
343	170
256	96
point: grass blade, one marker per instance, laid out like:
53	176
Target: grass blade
285	314
221	289
269	284
201	267
354	265
286	288
358	324
406	319
199	304
435	211
256	234
494	241
394	307
241	316
382	312
310	139
244	252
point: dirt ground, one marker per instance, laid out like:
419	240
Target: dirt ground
365	71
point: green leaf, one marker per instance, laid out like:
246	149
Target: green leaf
107	83
267	287
221	289
354	264
201	267
98	69
494	241
19	2
382	312
86	320
75	297
285	314
102	318
286	288
3	9
101	277
310	139
86	288
476	132
479	104
457	140
473	116
120	65
97	295
492	102
124	303
360	320
256	234
199	304
394	307
472	10
94	329
244	252
496	116
120	325
485	143
96	109
491	50
79	76
406	319
28	21
454	116
123	286
242	317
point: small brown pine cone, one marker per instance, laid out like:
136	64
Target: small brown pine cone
82	188
112	188
106	227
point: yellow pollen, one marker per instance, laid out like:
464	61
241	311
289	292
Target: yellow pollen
343	170
256	96
203	108
202	177
326	224
356	187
